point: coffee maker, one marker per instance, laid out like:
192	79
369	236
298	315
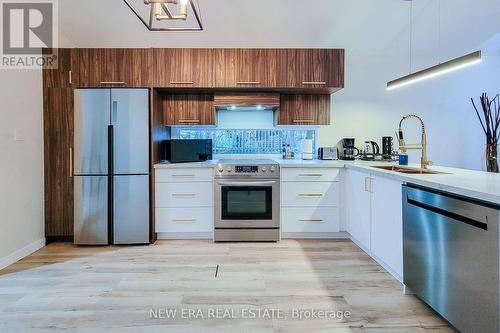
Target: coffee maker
348	151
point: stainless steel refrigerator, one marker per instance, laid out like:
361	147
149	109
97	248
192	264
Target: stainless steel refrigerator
111	166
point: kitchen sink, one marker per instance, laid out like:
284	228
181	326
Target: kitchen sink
407	170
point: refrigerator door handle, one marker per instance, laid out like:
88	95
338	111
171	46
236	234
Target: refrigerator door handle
114	115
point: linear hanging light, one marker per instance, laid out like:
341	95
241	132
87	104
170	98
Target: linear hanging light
440	69
443	68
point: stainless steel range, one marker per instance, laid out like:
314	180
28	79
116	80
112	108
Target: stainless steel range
247	201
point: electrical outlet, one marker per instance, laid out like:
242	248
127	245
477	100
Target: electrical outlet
18	134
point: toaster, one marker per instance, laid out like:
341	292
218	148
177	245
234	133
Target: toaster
328	153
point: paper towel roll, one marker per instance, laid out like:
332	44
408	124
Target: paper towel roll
307	149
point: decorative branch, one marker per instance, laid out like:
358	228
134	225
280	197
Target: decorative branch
489	117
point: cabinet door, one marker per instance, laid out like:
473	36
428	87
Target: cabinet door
358	206
115	67
189	109
67	71
304	110
245	68
58	145
183	68
311	68
387	222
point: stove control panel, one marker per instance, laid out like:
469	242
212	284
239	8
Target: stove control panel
248	170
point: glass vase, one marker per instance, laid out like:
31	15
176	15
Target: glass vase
491	157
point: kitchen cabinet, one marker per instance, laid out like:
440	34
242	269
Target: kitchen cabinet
310	68
310	201
58	145
374	217
358	207
239	68
67	71
115	67
183	68
304	109
188	109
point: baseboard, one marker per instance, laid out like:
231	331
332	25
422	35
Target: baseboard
58	239
315	235
184	235
21	253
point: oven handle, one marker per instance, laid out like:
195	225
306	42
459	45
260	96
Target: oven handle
270	182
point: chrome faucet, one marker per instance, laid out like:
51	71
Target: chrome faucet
424	162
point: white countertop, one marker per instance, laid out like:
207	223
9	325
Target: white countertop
475	184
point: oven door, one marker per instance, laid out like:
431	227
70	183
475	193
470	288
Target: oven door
247	204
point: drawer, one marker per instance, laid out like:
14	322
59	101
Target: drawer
310	219
184	175
309	194
310	174
184	219
184	194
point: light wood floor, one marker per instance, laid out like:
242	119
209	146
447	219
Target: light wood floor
63	288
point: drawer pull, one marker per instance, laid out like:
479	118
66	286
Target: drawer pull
311	175
183	195
112	82
248	82
189	121
310	221
316	195
184	176
303	121
70	77
310	83
184	221
182	82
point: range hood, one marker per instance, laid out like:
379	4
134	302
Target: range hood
246	101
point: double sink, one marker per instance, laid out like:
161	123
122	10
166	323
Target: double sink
407	170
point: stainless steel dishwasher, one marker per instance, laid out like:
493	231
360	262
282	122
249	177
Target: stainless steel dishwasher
451	256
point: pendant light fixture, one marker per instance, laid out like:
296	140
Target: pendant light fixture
440	69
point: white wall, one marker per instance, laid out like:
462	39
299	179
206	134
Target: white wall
367	111
21	164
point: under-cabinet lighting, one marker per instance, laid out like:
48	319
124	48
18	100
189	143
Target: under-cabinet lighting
444	68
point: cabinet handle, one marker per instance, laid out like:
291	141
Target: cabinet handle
70	162
310	221
184	221
70	77
369	184
184	195
310	83
185	176
248	82
112	82
311	175
303	120
187	121
317	195
182	82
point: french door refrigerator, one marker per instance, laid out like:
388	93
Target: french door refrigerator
111	166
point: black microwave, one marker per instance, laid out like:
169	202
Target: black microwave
181	151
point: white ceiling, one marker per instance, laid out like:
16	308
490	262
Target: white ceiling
363	27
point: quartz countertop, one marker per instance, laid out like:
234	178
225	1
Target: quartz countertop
475	184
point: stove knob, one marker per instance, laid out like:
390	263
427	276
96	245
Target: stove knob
264	169
273	169
229	169
221	170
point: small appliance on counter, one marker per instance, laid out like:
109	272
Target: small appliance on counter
307	149
387	145
182	151
348	151
328	153
372	148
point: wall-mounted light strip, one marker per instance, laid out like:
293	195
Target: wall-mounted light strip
446	67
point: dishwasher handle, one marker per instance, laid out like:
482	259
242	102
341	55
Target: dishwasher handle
454	207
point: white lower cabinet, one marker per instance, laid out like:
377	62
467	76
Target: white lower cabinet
184	203
310	202
374	217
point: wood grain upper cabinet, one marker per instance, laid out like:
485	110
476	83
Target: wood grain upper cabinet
115	67
311	68
188	109
183	68
245	68
304	110
67	71
58	145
